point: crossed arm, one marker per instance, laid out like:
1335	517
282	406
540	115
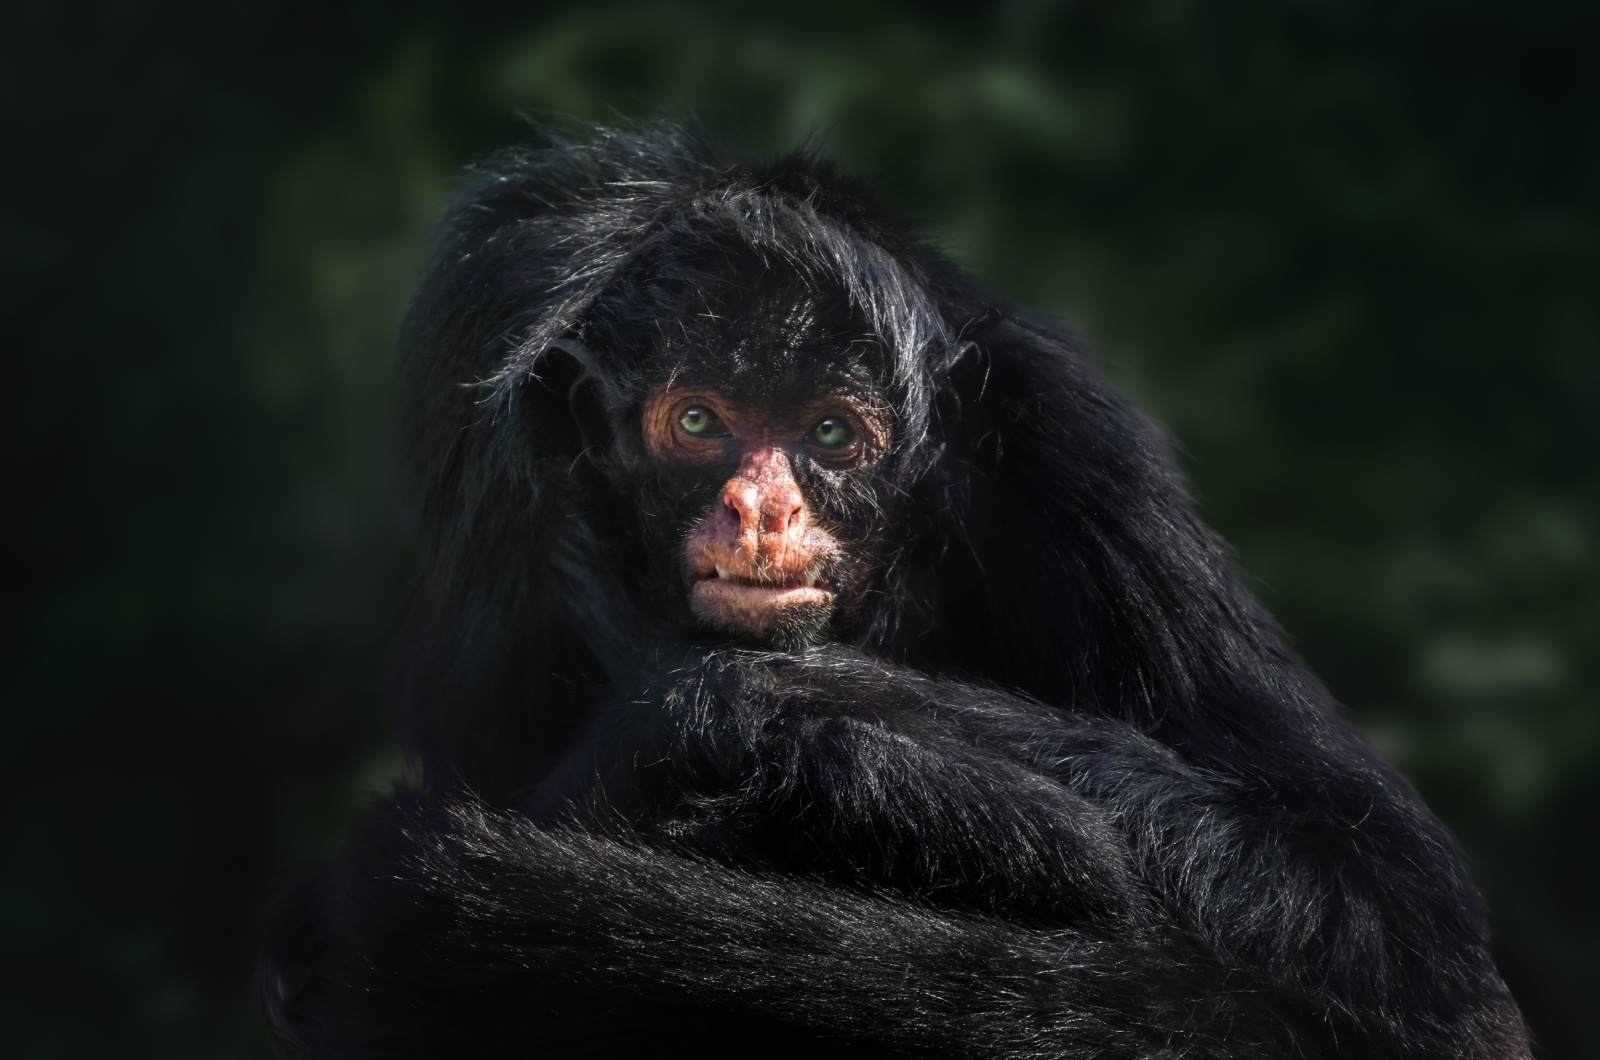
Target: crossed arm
830	852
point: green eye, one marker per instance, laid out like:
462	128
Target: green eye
699	421
832	433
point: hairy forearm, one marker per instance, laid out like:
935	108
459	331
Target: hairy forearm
1326	879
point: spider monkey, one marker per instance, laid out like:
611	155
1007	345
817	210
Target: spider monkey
811	653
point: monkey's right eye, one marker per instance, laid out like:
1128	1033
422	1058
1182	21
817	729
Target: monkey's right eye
700	422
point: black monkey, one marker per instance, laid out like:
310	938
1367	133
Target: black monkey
813	655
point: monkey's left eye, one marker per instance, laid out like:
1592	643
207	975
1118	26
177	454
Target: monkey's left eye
833	432
700	422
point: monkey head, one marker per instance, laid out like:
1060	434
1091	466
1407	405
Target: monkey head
783	544
753	441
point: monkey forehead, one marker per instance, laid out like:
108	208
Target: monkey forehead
782	375
739	305
793	344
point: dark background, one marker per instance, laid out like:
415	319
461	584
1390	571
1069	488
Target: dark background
1349	252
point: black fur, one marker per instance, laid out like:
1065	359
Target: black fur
1056	790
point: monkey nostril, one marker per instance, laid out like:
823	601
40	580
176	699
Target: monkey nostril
795	519
764	510
743	500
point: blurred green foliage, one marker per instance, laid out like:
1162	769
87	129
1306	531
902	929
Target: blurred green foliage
1349	252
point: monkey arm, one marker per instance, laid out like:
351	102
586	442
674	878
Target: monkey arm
795	763
1316	869
765	854
446	929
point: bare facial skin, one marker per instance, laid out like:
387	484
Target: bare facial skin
759	562
756	559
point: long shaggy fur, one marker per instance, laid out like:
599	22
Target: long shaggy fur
1063	792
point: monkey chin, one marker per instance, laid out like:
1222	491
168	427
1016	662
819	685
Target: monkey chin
785	615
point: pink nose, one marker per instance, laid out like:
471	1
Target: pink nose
765	494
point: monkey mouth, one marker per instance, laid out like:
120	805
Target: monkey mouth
805	580
756	606
775	589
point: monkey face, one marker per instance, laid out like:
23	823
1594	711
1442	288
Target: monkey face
783	550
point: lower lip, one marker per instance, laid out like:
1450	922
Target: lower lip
767	596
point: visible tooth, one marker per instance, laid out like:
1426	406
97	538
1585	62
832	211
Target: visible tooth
722	572
811	581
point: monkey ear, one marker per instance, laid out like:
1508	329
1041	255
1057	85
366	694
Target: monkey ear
968	371
962	387
569	370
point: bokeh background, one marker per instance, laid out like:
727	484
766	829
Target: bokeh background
1349	252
